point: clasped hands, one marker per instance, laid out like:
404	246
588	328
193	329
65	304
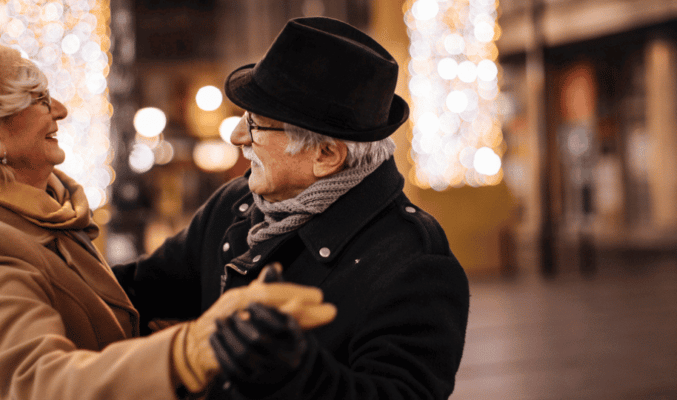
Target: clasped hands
256	330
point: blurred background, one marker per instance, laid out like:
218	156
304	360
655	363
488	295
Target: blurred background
542	136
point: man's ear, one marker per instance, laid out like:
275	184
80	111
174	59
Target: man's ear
329	159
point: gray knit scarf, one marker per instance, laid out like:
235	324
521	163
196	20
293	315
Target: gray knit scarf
288	215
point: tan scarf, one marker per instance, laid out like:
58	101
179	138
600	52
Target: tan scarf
68	209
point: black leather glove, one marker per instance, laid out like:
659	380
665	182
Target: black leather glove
258	345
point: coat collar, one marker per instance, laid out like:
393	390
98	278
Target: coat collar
65	208
79	254
326	234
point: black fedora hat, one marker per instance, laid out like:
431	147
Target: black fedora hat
325	76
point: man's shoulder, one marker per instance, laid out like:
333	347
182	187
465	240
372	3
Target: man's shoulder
404	243
411	228
426	226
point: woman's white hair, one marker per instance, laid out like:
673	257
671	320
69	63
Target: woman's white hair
358	154
19	78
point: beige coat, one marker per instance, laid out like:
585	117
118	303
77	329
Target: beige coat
65	323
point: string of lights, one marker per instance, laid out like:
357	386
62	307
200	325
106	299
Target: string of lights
453	81
69	40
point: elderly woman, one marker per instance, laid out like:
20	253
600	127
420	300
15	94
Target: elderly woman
66	326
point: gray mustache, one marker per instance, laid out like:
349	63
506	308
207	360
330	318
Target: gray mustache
249	154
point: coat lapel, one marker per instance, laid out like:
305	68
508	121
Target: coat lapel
319	241
84	261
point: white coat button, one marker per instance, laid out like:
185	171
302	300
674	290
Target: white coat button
226	246
257	258
243	207
325	252
410	209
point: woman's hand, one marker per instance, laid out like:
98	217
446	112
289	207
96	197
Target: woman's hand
194	361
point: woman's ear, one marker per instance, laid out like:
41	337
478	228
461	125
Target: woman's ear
329	159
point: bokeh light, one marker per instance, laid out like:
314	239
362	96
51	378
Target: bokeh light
164	152
447	68
209	98
453	82
150	121
141	158
69	41
486	162
148	151
227	126
215	155
425	9
120	248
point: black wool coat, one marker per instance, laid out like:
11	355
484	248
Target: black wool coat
402	297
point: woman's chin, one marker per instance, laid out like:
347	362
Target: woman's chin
58	157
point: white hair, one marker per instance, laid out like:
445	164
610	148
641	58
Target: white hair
19	78
358	153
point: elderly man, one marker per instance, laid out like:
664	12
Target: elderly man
323	199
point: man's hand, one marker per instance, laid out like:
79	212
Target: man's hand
259	345
194	361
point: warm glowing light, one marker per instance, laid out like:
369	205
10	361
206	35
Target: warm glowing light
428	123
467	156
487	70
467	71
52	11
425	9
227	127
70	44
454	44
95	196
419	86
150	141
209	98
16	28
486	161
457	101
150	121
484	31
67	40
141	158
215	155
120	248
447	68
456	132
164	152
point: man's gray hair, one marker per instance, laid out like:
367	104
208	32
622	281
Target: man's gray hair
358	154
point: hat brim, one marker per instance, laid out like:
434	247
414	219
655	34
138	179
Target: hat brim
242	90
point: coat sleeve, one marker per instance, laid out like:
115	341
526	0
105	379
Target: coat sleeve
167	284
39	362
407	345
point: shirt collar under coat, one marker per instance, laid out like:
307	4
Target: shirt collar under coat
327	233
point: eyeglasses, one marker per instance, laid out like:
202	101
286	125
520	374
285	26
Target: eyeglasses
251	126
45	99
